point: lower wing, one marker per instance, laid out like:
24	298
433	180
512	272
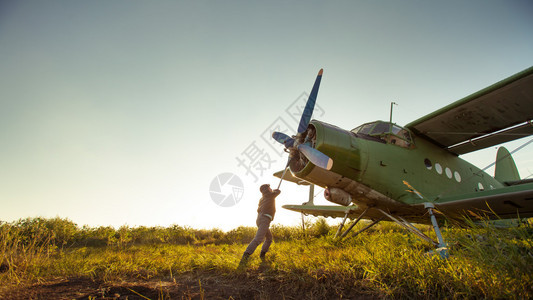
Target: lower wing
335	211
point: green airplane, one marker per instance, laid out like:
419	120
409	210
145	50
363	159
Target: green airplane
414	174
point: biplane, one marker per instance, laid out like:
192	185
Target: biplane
381	171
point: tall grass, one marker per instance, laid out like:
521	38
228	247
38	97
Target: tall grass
385	261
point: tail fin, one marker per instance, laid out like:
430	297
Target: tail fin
505	170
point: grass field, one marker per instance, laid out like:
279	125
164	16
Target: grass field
54	258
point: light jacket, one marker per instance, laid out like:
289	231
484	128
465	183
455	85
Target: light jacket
267	204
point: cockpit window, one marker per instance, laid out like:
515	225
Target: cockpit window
383	130
380	128
396	129
364	129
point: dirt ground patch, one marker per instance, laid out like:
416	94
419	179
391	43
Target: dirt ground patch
177	288
248	285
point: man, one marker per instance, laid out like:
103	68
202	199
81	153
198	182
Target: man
265	214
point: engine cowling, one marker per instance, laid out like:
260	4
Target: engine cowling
337	196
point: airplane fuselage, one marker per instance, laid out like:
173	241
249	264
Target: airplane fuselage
391	170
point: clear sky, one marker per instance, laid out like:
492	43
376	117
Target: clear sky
123	112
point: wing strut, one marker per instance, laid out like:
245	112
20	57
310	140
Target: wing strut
368	226
352	226
374	222
409	227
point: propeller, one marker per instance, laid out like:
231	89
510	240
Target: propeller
284	139
298	144
316	157
310	105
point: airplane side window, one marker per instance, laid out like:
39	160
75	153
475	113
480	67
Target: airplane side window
428	164
400	137
457	176
404	134
398	141
438	168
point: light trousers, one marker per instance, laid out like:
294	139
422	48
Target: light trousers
263	234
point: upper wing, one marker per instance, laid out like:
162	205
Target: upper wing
509	202
494	115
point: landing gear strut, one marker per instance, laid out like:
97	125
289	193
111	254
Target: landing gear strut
442	248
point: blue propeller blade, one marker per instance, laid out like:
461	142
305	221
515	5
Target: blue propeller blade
310	105
316	157
282	138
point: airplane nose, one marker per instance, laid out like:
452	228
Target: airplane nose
339	144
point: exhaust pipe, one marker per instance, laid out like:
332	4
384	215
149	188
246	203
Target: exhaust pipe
337	196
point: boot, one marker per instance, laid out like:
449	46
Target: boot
262	255
244	259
